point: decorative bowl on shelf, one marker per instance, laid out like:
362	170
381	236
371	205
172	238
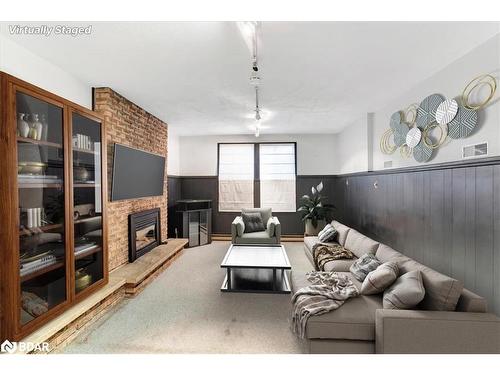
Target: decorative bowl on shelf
82	280
31	167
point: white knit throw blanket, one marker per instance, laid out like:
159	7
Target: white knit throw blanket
328	292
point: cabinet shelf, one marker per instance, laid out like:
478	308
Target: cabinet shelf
42	271
84	150
40	143
43	228
88	252
40	185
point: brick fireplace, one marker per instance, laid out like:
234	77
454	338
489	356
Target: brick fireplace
130	125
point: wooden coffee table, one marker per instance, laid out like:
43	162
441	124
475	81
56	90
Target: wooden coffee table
256	269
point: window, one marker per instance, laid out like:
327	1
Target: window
257	175
277	176
236	176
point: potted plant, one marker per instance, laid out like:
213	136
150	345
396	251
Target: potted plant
314	211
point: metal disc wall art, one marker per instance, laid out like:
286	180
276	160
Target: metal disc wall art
485	80
426	112
400	134
415	130
446	111
422	152
395	121
413	137
463	124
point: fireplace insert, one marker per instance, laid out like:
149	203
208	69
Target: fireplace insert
144	232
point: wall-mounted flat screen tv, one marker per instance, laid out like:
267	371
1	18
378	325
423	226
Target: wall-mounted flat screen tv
136	173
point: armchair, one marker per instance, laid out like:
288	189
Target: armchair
272	234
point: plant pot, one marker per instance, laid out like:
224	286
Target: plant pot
314	230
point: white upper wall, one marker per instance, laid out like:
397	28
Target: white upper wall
316	153
352	148
22	63
173	161
449	82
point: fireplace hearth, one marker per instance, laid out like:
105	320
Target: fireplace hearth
144	232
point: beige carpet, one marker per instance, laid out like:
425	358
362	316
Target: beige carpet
183	311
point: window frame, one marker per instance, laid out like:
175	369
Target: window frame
256	168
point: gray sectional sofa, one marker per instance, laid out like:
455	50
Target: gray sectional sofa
450	319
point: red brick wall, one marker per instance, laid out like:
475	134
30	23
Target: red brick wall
130	125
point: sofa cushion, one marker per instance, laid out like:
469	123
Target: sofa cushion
441	292
381	278
240	225
406	292
342	231
359	244
385	254
261	238
253	222
354	320
265	213
363	266
339	265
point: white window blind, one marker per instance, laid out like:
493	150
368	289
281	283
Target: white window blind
277	176
236	176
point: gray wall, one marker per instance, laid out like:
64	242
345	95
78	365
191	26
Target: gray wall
206	187
447	218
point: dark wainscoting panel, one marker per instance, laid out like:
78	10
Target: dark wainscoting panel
173	195
448	219
206	187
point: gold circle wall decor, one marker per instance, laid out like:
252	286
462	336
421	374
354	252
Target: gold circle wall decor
442	135
410	114
405	151
385	145
474	85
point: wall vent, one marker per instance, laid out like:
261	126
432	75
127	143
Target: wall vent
475	151
388	164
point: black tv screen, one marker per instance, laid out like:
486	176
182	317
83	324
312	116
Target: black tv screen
136	173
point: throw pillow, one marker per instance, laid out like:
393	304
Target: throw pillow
327	234
379	279
406	292
253	222
364	265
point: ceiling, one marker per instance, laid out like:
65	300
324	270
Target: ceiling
318	77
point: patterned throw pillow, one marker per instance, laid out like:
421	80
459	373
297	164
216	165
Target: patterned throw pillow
364	265
327	234
381	278
253	222
406	292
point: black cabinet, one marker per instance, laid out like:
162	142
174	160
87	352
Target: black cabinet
193	220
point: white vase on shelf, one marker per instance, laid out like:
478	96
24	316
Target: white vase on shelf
38	126
22	125
45	130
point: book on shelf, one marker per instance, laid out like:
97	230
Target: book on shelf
35	265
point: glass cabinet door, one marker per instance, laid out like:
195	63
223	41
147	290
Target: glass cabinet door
87	201
40	168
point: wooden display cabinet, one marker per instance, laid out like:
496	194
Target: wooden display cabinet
53	234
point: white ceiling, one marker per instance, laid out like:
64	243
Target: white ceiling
317	77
